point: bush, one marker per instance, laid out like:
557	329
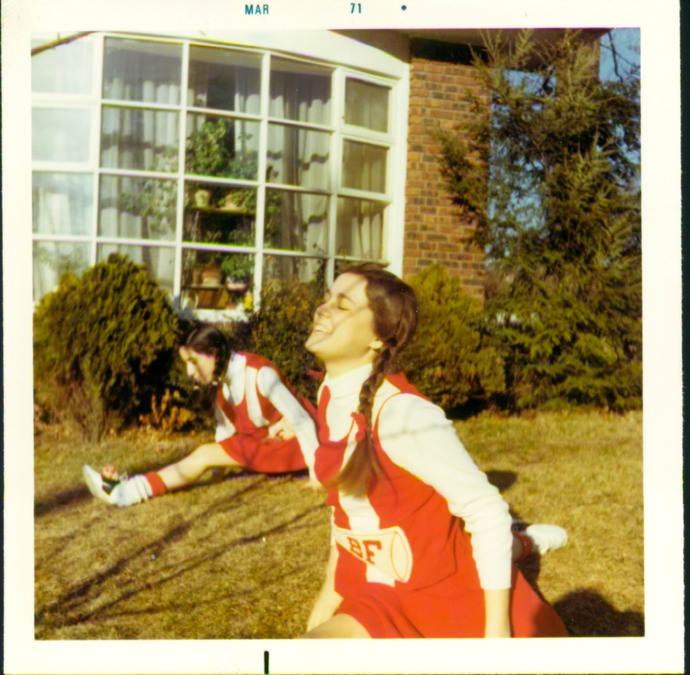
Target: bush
103	346
446	359
279	329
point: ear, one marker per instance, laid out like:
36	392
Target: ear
376	344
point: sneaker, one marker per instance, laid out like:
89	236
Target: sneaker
546	537
99	486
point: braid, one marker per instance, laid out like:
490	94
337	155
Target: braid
395	309
362	469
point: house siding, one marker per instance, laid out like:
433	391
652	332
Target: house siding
435	229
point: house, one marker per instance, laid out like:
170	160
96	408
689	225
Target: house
221	161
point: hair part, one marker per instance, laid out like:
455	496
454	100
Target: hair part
395	308
211	341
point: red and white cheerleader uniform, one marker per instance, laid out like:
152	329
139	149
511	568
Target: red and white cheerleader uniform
252	395
416	552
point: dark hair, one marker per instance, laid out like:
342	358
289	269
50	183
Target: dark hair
395	309
209	340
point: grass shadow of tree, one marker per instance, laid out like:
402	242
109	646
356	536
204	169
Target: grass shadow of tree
88	600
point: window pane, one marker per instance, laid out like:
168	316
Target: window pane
300	92
216	280
364	166
62	203
298	157
65	69
52	259
137	208
139	139
218	146
224	79
136	70
219	215
292	269
360	229
366	105
159	262
296	221
60	134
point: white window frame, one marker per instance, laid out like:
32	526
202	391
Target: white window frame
345	56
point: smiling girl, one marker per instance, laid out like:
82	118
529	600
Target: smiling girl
261	424
421	541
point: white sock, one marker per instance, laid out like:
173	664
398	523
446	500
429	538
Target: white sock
131	491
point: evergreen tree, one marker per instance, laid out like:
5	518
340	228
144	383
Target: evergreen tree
552	180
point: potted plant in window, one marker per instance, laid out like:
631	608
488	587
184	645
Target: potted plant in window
213	151
152	199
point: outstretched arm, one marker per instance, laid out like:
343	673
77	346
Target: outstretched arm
297	418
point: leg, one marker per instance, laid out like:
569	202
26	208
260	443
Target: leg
189	469
338	626
129	491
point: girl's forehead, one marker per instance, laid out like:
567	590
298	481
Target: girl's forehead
189	354
352	285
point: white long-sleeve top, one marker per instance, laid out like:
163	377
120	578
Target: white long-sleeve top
416	435
248	378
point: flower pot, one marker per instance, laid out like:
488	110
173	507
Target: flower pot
202	199
211	276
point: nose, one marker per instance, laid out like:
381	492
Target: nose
322	309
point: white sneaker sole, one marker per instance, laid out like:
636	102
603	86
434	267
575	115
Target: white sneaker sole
94	482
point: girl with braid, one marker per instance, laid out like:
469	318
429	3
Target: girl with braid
262	425
421	542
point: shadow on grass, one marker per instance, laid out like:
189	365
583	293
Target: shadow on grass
67	498
587	614
501	479
60	500
76	605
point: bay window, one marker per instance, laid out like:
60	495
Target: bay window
217	167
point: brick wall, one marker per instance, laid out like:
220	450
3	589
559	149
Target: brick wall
434	228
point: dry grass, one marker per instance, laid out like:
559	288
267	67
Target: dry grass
584	472
243	557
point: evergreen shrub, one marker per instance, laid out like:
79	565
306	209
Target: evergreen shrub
279	329
103	346
447	359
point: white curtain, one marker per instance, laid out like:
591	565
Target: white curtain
300	157
140	139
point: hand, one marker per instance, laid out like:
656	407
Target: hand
324	608
280	430
328	599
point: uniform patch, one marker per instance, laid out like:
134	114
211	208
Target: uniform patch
387	550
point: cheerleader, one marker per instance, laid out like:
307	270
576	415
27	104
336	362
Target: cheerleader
421	542
261	424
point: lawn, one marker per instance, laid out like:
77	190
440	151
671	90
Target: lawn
242	556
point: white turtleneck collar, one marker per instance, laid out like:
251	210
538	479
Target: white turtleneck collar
349	383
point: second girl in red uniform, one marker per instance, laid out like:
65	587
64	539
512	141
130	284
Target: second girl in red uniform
261	424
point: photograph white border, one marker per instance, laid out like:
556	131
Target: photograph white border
661	650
